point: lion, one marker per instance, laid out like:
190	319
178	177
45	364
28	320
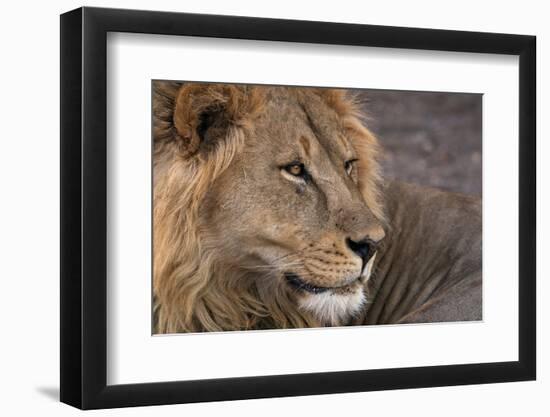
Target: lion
270	212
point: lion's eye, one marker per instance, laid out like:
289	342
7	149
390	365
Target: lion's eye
296	172
349	166
295	169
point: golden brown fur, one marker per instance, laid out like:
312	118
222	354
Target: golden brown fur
211	273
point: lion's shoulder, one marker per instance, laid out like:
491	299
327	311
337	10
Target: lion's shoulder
432	249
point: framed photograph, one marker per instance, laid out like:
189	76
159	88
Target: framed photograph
258	208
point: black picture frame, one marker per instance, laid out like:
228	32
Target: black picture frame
84	207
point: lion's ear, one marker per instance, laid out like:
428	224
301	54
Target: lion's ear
204	113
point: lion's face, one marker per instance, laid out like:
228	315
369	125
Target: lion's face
291	210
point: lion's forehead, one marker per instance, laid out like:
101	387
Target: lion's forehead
304	123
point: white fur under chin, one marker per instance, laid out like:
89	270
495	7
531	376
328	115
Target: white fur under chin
333	309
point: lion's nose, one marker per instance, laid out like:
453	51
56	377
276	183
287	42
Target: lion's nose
363	248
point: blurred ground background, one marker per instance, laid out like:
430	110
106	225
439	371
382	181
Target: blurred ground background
432	139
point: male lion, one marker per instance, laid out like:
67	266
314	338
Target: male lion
269	212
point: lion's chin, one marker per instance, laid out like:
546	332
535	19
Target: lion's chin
333	308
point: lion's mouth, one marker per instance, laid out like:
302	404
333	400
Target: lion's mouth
299	284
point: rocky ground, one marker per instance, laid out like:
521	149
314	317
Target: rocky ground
429	138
